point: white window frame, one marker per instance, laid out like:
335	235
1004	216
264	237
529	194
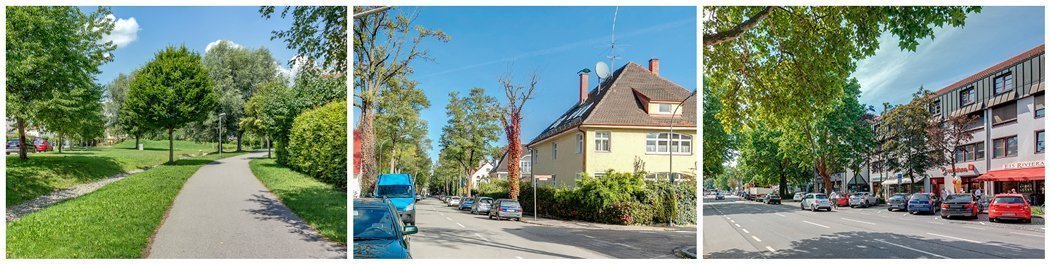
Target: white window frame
676	143
599	137
660	110
579	143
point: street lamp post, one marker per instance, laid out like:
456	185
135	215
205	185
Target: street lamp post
535	215
670	154
221	115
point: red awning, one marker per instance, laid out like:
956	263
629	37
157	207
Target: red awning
1026	174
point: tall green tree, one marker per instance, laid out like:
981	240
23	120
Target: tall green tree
170	91
780	64
906	145
270	113
317	32
115	93
384	46
761	155
472	128
399	127
51	50
76	113
236	73
718	143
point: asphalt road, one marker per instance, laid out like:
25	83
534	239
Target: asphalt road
223	211
448	233
741	229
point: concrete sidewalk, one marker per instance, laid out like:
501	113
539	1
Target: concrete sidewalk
591	225
223	211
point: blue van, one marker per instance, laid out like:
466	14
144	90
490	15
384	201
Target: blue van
401	191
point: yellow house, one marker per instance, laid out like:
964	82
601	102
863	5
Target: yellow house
633	121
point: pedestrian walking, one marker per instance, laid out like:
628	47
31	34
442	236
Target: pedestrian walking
977	193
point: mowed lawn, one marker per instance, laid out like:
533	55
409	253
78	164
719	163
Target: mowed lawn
115	221
46	172
319	204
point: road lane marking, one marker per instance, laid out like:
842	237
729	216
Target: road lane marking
974	227
780	215
956	238
756	238
588	236
737	225
771	249
626	245
745	230
731	221
449	218
816	224
912	249
982	223
1023	234
461	225
858	221
479	236
517	257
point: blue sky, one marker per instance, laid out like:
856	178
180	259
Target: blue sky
142	31
556	42
989	37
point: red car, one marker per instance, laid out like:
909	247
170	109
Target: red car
839	198
41	145
1009	206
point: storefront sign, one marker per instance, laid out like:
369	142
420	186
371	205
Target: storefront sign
1023	164
968	168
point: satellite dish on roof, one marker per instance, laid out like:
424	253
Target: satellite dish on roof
602	70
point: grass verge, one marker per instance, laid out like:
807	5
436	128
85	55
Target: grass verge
319	204
46	172
115	221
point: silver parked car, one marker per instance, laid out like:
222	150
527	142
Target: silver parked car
505	209
864	199
798	196
482	206
816	201
453	201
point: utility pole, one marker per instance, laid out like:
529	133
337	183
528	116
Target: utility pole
670	156
532	160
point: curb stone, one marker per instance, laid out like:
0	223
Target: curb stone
685	252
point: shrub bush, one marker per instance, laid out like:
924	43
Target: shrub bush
317	145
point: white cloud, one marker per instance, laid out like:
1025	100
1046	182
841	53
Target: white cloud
298	62
124	31
216	43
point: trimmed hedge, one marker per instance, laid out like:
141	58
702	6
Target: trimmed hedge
317	145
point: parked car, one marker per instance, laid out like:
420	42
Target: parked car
898	202
506	209
379	231
772	199
745	196
816	201
720	196
864	199
984	202
453	201
922	202
839	198
1009	207
961	204
483	205
401	191
41	145
798	197
466	203
12	147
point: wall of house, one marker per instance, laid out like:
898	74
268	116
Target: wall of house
628	145
568	164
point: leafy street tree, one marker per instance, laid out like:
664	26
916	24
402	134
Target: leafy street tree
398	126
169	91
115	93
907	147
718	143
947	134
833	141
780	64
270	113
471	127
510	117
51	50
317	32
384	46
236	73
762	156
76	113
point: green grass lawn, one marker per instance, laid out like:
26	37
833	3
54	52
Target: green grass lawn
46	172
319	204
115	221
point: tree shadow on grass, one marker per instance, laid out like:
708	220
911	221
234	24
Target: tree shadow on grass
272	209
43	174
857	244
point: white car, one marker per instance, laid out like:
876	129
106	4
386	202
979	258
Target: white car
453	201
798	196
816	201
864	199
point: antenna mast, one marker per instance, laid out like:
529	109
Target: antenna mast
612	41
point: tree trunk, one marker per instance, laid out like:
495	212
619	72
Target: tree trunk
514	158
60	139
269	145
822	170
239	135
369	170
736	31
22	139
393	159
137	136
171	145
783	180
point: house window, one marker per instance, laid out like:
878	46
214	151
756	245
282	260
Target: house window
579	143
967	96
1040	105
601	141
663	176
1040	141
1004	113
554	151
525	166
662	143
970	152
978	121
1004	147
1004	83
936	108
664	108
535	156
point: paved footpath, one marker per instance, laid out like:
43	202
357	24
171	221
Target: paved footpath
223	211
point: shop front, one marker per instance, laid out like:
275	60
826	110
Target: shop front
964	180
1026	178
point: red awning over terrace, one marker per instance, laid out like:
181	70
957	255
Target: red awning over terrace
1025	174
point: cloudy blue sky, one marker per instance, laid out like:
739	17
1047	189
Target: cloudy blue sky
556	42
140	32
989	37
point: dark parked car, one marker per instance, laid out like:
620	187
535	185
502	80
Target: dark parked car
772	198
962	204
467	203
923	202
720	196
898	202
506	209
379	231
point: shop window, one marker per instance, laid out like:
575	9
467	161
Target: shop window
1004	147
970	152
1040	105
1004	83
1040	141
1004	113
967	96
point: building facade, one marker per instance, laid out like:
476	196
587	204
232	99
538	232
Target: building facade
633	121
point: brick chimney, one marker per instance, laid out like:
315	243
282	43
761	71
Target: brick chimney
583	84
654	66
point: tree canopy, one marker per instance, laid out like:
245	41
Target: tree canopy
471	129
